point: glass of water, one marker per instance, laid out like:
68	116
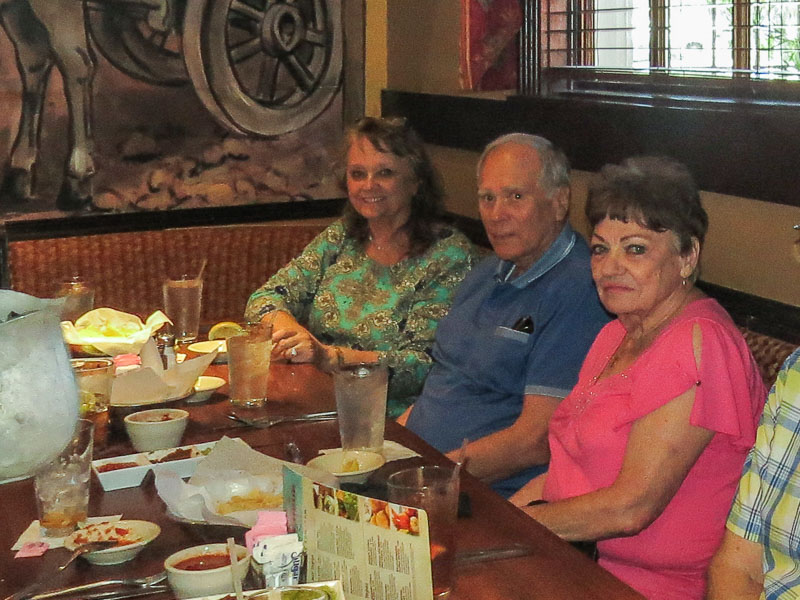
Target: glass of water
182	304
361	405
62	486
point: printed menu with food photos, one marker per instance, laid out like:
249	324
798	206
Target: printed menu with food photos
377	549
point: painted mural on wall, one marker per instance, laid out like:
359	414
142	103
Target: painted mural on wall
123	105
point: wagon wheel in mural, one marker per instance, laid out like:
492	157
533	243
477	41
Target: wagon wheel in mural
264	67
142	39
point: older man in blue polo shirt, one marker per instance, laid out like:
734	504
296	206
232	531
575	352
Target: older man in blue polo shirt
520	326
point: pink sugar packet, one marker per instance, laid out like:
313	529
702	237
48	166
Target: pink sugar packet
32	549
126	362
269	523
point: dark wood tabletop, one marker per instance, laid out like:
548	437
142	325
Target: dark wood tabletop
554	571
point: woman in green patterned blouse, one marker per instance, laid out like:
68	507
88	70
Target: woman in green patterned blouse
372	286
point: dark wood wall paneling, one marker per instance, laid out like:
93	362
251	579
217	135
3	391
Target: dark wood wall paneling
746	151
750	151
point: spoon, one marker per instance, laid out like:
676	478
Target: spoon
88	547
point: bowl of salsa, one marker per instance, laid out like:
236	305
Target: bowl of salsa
205	570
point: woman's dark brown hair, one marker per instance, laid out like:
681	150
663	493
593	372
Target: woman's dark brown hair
396	137
658	193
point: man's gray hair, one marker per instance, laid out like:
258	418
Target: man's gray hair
555	166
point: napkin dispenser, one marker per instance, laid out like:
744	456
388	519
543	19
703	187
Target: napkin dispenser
39	392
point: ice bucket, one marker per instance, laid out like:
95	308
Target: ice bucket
38	393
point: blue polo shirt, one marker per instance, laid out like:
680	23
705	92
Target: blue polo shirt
483	367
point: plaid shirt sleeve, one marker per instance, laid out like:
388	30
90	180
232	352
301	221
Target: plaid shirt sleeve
765	509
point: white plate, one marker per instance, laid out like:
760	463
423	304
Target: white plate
143	531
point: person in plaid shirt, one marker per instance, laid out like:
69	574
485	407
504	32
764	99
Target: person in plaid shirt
760	553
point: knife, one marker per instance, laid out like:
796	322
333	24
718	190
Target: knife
25	592
469	557
120	594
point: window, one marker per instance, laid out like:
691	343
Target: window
717	49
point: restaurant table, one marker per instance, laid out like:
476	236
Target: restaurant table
553	571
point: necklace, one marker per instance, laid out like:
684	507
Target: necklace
375	244
387	244
585	395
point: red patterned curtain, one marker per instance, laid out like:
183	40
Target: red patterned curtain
489	47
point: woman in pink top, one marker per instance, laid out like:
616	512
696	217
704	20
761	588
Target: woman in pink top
647	450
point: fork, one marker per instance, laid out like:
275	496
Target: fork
266	422
133	581
88	547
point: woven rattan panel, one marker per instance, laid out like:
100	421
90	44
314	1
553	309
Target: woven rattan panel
769	353
127	269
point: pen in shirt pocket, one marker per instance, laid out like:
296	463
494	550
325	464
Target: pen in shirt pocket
524	324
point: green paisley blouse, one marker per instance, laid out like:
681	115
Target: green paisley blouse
345	298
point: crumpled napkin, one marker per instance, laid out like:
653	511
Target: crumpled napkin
112	331
231	468
33	533
152	383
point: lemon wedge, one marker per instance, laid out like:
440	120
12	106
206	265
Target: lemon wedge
224	330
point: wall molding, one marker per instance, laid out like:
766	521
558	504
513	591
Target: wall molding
40	227
737	149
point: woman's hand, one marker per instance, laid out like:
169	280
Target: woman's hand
292	341
297	345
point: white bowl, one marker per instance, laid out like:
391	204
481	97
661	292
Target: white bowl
204	387
350	466
156	429
143	531
209	346
191	584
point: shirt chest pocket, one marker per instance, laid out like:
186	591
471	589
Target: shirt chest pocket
500	359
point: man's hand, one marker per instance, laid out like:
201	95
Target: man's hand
524	444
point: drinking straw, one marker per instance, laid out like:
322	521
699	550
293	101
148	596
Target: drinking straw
237	583
202	268
462	457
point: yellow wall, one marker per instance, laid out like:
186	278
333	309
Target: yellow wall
750	245
375	47
411	45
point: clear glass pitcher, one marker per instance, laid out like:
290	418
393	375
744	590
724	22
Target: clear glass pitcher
38	393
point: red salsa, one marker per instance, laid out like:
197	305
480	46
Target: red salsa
203	562
114	466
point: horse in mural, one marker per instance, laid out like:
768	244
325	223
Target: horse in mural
47	33
263	69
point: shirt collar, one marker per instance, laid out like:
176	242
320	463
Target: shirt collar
557	251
